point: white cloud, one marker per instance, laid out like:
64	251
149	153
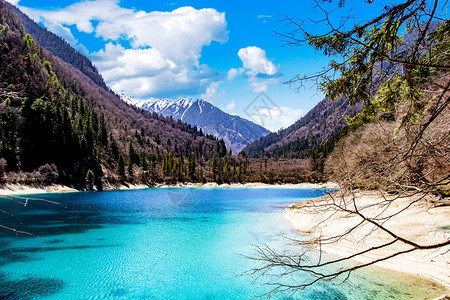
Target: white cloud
261	83
213	92
66	34
264	18
232	73
13	2
168	83
119	63
255	59
230	107
276	117
261	72
83	13
165	46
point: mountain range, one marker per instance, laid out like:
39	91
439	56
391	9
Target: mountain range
59	122
56	120
235	131
300	139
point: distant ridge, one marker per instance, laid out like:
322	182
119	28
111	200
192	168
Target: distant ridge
236	132
300	139
58	125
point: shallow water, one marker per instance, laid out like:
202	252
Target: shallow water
165	244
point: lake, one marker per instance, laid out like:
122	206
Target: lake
165	243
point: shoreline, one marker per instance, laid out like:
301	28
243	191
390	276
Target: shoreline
20	189
421	221
432	265
303	185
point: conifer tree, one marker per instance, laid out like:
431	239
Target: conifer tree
121	167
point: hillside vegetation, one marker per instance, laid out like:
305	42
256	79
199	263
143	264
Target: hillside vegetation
59	125
310	132
397	67
55	118
58	47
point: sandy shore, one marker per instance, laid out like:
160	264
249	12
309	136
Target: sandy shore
304	185
421	222
16	189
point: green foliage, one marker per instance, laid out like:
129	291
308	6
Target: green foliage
444	190
55	116
90	178
191	166
9	130
132	155
376	54
439	53
130	168
143	162
390	95
121	167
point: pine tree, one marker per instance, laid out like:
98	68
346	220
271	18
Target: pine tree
130	168
143	162
90	178
134	159
121	167
191	165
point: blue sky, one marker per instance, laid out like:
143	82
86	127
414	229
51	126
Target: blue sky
222	51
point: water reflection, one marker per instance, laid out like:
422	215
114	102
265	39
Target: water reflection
156	243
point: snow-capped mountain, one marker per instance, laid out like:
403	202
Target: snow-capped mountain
234	130
127	98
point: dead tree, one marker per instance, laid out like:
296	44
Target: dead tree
399	145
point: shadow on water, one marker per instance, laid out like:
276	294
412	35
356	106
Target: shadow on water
181	230
28	288
325	293
120	292
14	255
10	256
44	249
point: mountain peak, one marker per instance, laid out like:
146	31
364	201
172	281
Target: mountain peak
235	131
184	102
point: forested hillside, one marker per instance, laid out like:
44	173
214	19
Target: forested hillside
57	125
299	140
55	119
58	47
234	130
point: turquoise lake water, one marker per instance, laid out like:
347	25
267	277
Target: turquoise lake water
165	244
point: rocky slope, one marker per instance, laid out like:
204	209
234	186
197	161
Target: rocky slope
234	130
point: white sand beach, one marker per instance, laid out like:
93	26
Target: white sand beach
17	189
303	185
422	222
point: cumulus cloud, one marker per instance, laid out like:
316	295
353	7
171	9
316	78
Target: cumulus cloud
66	34
232	73
169	82
255	59
261	72
165	46
275	118
259	83
118	62
213	92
